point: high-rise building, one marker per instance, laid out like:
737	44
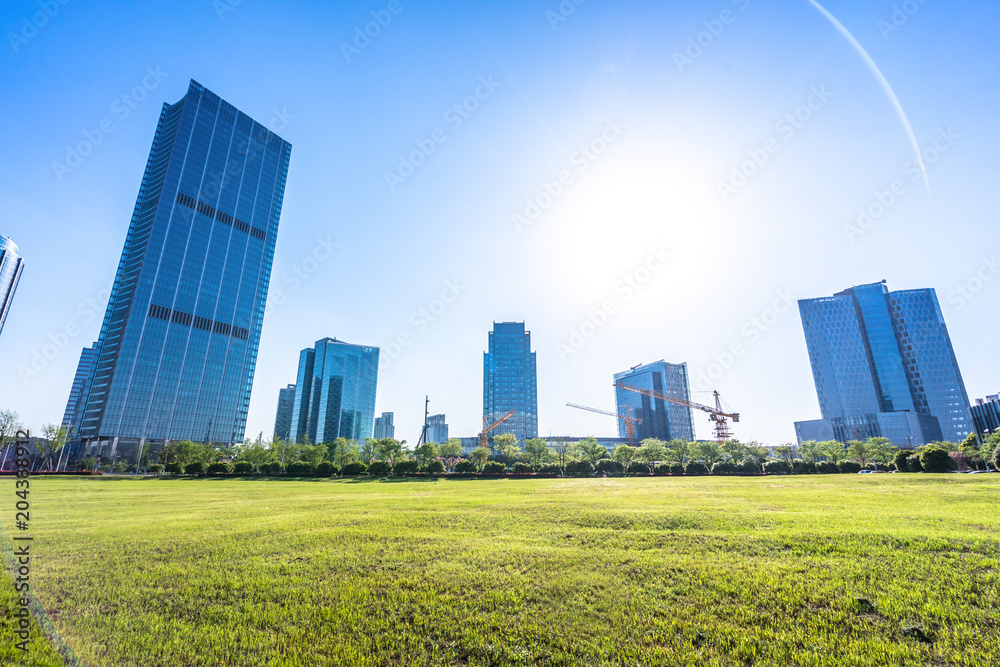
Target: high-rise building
986	416
384	427
71	418
178	345
883	365
335	392
11	265
437	429
660	419
283	419
510	381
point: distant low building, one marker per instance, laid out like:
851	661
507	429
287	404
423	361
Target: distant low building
986	416
437	429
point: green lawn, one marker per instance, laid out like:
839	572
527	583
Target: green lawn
657	571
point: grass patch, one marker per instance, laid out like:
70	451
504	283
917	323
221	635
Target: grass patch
809	571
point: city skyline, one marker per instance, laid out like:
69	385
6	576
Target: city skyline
707	188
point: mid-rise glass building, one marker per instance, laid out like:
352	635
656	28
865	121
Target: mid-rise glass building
883	365
11	265
986	416
178	345
510	381
437	429
335	392
283	418
384	427
660	419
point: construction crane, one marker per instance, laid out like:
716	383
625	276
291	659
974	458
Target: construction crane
487	429
629	420
716	414
423	432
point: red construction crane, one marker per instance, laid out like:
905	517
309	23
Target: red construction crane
629	420
487	429
716	414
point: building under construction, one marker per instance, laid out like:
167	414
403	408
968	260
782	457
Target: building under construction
655	417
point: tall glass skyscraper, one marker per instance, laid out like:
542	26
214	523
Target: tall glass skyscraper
510	381
11	265
78	392
883	365
283	418
335	392
660	419
384	427
178	346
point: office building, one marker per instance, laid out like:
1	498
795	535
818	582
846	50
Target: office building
335	392
437	429
883	365
283	419
11	265
71	418
178	345
660	419
384	427
986	416
510	381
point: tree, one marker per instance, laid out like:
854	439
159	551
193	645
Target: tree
785	453
757	453
677	450
389	450
562	452
861	451
936	458
651	450
312	454
54	438
832	450
883	450
10	424
810	451
624	455
426	453
348	454
478	457
591	450
254	452
186	452
451	449
368	450
735	450
506	445
537	450
334	448
707	452
991	447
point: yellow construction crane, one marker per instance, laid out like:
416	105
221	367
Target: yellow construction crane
716	414
487	429
629	420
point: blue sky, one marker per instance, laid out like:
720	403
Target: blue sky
704	188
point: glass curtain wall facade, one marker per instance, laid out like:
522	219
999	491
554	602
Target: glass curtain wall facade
660	419
11	265
178	345
510	381
71	418
335	392
875	354
437	429
384	427
283	419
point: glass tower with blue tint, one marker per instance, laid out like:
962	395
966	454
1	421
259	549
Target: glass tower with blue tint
510	381
335	392
178	346
11	265
660	419
77	393
283	418
883	365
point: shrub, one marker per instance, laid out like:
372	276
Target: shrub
550	469
408	467
936	459
996	459
696	468
748	468
273	468
913	463
494	468
219	468
827	468
194	468
901	459
354	469
637	468
172	468
434	467
676	468
379	469
608	467
465	466
800	467
523	469
243	468
724	468
579	468
662	469
326	469
156	468
121	466
850	467
300	468
777	468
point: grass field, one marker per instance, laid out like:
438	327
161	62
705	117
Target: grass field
658	571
